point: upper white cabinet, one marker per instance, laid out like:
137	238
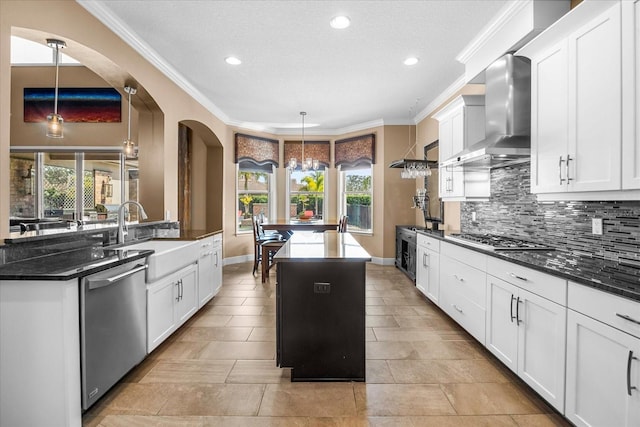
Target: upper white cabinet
461	123
631	96
581	90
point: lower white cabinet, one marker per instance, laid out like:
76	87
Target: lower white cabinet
428	266
527	333
463	288
209	268
603	361
170	302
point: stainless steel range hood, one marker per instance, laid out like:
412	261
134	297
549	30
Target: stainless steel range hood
507	117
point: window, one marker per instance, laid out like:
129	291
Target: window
306	193
66	183
356	199
254	196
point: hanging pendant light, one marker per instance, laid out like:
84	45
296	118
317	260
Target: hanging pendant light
54	120
129	146
306	162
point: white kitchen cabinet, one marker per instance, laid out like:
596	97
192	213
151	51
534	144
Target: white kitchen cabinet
631	95
527	333
603	358
206	269
428	266
217	263
463	288
461	123
170	302
577	105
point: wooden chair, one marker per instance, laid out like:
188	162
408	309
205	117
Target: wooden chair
342	224
269	249
258	239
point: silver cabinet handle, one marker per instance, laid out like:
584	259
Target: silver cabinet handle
629	360
204	245
513	298
457	308
629	318
216	255
515	276
562	180
518	301
460	279
178	285
206	254
94	284
567	168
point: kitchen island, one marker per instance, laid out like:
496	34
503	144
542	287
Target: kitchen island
320	307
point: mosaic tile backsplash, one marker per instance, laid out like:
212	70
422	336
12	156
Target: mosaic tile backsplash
513	210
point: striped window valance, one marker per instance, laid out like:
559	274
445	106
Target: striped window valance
318	150
254	152
355	152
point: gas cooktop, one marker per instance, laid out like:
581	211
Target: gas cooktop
496	242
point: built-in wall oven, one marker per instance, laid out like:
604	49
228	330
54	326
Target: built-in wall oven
113	327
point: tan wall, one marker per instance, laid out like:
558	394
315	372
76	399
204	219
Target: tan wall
427	131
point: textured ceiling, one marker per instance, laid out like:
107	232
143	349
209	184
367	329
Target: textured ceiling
293	61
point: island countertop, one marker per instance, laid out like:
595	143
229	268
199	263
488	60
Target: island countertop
314	247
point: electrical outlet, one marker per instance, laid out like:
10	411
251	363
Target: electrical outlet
596	226
473	216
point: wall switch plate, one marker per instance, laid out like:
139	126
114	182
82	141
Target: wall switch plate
596	226
473	216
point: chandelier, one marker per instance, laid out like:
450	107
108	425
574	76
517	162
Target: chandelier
306	163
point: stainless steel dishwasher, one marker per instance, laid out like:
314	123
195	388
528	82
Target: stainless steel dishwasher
113	327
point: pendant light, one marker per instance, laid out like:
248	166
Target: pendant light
54	120
129	146
308	162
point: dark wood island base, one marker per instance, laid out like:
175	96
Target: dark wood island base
320	307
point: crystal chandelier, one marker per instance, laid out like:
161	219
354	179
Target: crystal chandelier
308	162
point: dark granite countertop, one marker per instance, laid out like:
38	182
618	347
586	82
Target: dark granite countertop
191	235
307	246
609	276
70	264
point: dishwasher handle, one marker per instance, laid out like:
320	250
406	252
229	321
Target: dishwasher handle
99	283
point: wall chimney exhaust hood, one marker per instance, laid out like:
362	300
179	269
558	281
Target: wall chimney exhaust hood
507	117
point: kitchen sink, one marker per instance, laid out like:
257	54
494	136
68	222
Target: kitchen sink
168	256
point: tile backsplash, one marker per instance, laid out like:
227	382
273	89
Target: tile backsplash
513	210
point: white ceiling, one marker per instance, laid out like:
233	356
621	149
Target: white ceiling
293	61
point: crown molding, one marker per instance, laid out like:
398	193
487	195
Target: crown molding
131	38
440	99
501	19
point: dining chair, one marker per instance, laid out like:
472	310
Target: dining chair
342	224
269	249
259	237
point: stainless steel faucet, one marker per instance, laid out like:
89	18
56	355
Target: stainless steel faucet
121	223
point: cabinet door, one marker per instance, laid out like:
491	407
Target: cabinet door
446	151
433	275
541	346
549	120
217	267
502	323
595	104
187	303
205	277
599	372
422	271
160	312
631	96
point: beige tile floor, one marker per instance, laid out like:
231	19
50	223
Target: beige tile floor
219	370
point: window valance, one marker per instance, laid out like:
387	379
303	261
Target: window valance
319	150
255	152
355	152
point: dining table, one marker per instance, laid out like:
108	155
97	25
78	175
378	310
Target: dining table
285	227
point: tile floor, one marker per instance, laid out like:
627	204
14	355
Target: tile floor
219	370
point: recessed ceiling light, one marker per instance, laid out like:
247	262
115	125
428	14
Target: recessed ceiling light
340	22
232	60
411	61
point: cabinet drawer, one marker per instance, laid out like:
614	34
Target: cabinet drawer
605	307
428	242
465	312
467	256
465	280
544	285
206	244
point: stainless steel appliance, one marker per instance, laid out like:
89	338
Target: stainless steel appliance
113	327
406	250
495	242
